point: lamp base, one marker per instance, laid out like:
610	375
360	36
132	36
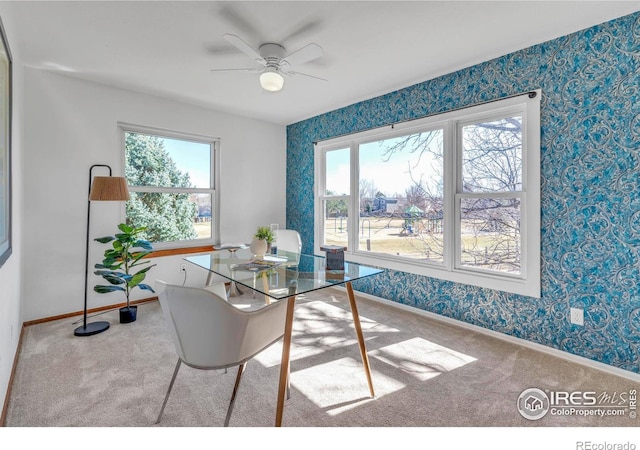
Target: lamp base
91	329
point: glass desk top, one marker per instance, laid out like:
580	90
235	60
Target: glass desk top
291	273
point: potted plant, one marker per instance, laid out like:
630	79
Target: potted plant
261	241
119	265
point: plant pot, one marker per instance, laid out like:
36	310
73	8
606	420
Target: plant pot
128	314
258	247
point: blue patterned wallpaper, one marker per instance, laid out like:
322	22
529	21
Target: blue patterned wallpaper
590	117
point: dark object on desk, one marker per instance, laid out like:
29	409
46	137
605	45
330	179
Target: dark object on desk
335	256
335	275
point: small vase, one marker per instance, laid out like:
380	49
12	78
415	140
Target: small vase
258	247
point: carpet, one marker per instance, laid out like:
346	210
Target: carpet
426	373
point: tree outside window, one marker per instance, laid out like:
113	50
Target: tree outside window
171	187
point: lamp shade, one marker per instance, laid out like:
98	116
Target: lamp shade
109	189
271	80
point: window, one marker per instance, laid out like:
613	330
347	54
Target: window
454	196
336	198
172	179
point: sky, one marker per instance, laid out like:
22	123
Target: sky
389	177
187	156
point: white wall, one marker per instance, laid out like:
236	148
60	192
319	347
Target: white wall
10	272
71	124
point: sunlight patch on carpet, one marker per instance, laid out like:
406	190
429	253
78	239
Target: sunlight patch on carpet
421	358
340	385
322	316
319	328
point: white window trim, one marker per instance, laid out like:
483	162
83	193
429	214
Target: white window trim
528	281
214	190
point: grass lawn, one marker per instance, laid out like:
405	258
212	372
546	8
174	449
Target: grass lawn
388	235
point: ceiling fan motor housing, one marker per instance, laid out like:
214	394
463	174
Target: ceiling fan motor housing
272	52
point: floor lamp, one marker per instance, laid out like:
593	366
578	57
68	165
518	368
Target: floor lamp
102	189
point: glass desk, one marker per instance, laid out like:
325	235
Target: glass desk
292	275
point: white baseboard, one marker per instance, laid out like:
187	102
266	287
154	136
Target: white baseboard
505	337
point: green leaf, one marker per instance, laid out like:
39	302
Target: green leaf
138	256
111	253
104	239
123	237
107	265
145	270
113	279
144	244
109	272
136	280
139	263
125	228
106	289
146	287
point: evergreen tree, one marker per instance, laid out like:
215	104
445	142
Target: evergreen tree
166	216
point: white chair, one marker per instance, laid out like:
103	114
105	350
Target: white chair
209	333
289	241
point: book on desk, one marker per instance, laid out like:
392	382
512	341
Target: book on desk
258	264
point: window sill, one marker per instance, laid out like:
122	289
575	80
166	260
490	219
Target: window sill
180	251
520	286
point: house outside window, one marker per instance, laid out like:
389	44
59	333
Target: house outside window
172	178
455	196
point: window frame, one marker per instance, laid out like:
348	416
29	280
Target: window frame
527	282
213	190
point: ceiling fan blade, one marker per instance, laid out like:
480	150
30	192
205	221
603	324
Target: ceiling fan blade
303	55
304	75
237	70
302	30
244	48
236	16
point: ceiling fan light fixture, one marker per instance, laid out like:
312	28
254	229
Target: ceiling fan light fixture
271	80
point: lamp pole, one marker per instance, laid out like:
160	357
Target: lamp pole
94	327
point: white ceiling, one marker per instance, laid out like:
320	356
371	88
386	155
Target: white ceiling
168	48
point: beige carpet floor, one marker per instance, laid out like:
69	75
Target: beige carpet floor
426	374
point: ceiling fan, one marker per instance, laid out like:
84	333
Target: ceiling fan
276	63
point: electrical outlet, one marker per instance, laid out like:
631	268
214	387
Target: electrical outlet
183	267
577	316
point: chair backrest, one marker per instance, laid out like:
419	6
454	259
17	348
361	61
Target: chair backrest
289	241
210	333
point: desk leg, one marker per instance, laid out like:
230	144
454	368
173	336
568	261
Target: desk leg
233	291
284	362
265	286
363	348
